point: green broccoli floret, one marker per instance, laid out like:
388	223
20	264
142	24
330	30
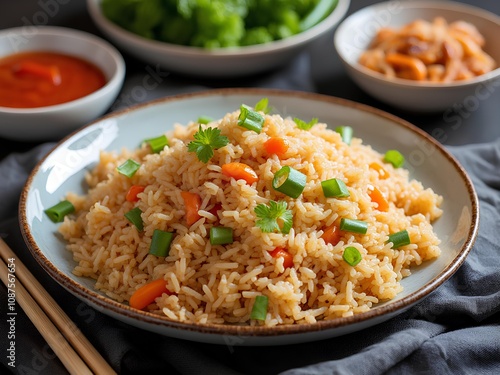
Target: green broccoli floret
256	35
176	30
217	23
148	15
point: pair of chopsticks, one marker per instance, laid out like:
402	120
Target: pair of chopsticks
69	344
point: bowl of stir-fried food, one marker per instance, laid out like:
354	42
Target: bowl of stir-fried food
422	56
219	38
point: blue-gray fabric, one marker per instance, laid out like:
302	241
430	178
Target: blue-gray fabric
456	330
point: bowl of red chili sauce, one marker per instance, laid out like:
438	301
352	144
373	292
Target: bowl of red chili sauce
54	80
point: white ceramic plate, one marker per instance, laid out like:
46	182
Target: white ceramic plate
63	170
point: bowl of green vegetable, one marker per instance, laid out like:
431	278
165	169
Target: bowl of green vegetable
219	38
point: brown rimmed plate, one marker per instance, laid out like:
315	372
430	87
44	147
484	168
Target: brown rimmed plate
62	171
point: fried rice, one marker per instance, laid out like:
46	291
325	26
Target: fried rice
219	283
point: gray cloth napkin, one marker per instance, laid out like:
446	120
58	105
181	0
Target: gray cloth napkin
455	330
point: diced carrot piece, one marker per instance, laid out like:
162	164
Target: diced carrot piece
240	171
382	173
376	196
280	252
132	193
147	293
192	203
276	145
331	234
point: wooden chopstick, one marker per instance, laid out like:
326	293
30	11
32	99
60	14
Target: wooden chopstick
51	320
70	359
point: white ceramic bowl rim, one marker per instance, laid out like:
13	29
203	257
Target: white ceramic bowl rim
448	5
118	72
335	16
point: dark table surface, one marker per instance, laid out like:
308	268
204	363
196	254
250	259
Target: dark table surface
468	125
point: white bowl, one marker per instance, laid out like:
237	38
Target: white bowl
355	33
219	63
55	121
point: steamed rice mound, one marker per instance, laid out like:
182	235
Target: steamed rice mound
218	284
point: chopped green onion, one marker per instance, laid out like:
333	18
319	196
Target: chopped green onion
134	216
322	9
262	105
204	120
250	119
129	168
399	239
352	225
160	243
395	158
346	133
157	144
259	309
57	212
289	181
334	188
221	235
351	256
301	124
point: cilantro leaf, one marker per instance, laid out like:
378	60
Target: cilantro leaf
206	141
301	124
274	218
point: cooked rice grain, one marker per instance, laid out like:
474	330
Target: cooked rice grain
218	284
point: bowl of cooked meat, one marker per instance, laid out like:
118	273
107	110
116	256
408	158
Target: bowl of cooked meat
423	56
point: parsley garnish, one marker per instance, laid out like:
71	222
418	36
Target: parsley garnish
301	124
274	217
206	141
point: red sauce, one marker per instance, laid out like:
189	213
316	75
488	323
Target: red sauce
39	79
